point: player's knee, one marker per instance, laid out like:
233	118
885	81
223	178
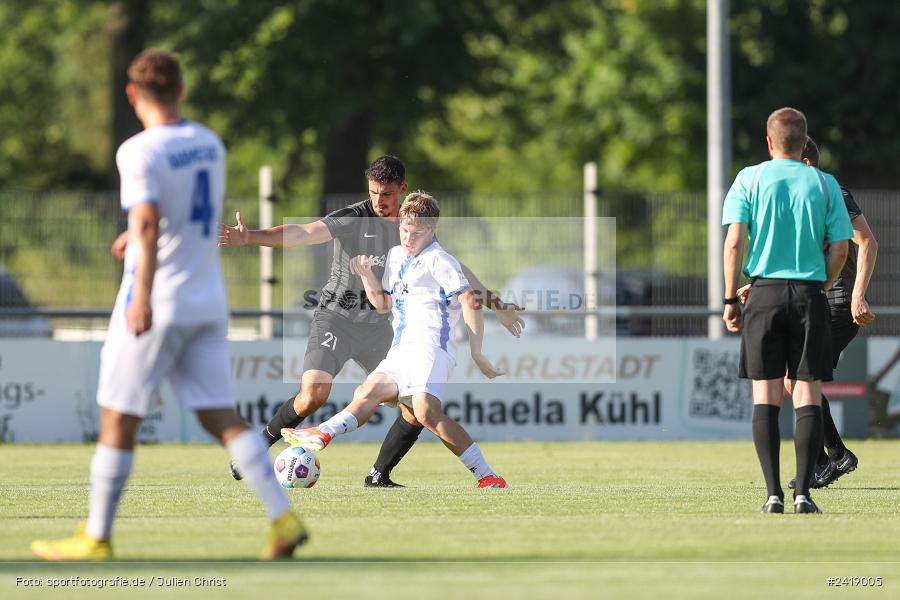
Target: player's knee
221	424
373	392
309	401
360	393
427	417
364	402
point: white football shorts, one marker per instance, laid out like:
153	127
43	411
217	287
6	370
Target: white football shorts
417	369
194	358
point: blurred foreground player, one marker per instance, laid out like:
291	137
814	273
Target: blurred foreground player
171	315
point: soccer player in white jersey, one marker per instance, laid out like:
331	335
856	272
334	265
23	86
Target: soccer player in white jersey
426	290
171	315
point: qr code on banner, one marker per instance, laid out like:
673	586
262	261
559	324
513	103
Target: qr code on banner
717	393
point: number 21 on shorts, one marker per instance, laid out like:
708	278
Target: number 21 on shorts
330	341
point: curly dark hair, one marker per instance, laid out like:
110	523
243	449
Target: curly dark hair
811	152
387	169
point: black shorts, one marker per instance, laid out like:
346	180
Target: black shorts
333	340
843	330
786	329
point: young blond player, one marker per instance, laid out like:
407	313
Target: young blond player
426	290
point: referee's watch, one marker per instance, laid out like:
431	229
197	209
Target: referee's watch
730	300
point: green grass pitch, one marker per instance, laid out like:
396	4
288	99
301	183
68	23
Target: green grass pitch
582	520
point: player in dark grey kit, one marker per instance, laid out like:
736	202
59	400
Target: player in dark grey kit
849	312
344	325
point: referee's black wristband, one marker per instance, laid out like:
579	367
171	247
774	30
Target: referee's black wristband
730	300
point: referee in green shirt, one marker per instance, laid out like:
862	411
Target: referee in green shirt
790	211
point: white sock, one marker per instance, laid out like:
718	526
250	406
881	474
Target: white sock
110	468
339	424
474	461
251	456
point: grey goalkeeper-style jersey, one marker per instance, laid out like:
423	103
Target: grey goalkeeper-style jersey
356	230
843	288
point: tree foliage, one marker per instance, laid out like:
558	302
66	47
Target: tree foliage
613	82
836	60
53	113
322	77
476	95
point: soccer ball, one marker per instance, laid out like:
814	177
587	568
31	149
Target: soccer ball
297	467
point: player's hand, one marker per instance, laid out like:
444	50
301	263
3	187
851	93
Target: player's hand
485	366
732	318
859	310
506	314
139	316
743	292
236	236
361	265
118	246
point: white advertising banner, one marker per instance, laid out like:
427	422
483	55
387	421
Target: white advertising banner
560	389
664	388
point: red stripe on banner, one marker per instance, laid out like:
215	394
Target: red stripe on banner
844	390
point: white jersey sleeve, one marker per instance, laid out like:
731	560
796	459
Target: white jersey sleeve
447	271
140	181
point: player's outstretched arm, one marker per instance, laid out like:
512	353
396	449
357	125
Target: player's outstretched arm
291	235
374	292
506	312
474	319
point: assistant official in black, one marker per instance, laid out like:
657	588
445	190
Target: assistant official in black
849	311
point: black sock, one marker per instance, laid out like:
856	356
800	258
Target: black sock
833	440
767	440
284	417
807	444
399	439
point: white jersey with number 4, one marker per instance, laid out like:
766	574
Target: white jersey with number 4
424	291
181	168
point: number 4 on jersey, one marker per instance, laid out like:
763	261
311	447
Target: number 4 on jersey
201	208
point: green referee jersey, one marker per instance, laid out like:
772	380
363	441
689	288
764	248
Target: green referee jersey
791	211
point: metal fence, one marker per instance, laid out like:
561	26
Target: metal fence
54	250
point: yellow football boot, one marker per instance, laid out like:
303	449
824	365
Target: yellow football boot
286	534
79	547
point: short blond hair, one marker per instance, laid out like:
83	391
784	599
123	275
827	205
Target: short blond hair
420	208
786	127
